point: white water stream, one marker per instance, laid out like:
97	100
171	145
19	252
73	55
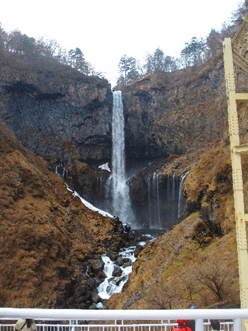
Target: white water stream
113	284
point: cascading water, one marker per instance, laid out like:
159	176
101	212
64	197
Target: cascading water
156	179
153	201
120	189
180	196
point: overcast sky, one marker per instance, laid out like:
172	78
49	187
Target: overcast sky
107	29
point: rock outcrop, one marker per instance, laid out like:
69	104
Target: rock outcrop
173	113
61	115
71	120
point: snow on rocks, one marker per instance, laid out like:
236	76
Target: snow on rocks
88	204
105	167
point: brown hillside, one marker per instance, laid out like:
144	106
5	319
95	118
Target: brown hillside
174	270
48	237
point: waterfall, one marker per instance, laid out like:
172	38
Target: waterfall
121	199
153	201
149	200
156	178
180	194
173	186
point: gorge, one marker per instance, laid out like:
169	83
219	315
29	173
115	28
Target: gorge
56	130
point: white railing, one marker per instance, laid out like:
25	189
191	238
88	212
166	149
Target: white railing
152	326
120	320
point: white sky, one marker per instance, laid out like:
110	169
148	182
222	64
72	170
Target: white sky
107	29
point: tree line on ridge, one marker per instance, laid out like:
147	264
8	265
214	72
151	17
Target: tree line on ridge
197	52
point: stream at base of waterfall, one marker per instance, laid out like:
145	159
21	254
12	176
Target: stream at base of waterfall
117	273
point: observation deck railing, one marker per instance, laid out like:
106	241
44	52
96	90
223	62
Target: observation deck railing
121	320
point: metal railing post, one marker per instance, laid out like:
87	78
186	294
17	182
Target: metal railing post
199	324
237	325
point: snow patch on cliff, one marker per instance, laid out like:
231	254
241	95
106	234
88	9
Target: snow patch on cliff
88	204
105	166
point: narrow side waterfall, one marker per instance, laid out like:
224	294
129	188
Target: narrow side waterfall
180	196
121	198
153	201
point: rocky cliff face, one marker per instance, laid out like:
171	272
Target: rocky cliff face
59	114
173	113
71	120
65	117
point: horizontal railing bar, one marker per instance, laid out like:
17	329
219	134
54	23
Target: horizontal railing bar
77	314
108	325
82	323
241	96
97	327
241	149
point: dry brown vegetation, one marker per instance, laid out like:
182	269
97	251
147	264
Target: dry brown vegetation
172	271
46	233
195	262
38	70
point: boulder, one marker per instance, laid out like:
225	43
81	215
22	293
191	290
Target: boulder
117	272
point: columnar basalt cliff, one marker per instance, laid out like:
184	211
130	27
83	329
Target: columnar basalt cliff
173	113
71	120
60	114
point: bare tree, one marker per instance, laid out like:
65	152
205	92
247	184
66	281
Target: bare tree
166	296
215	276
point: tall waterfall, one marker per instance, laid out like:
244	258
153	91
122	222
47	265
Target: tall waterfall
121	198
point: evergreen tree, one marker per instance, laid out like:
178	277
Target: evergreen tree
3	38
148	66
170	64
76	60
129	69
194	52
158	61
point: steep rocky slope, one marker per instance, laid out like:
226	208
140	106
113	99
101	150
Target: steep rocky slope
51	243
195	262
